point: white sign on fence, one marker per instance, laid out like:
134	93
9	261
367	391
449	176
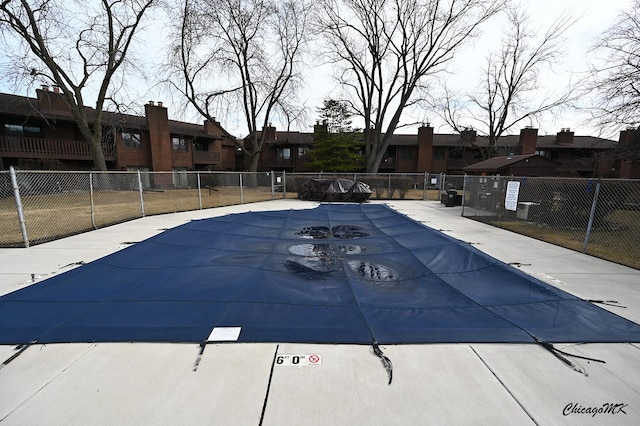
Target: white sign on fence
511	199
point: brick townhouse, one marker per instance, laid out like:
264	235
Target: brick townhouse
571	155
40	132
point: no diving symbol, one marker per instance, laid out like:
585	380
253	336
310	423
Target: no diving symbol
298	360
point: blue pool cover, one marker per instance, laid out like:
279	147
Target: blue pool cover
334	274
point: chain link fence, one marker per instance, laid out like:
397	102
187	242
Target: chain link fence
597	217
402	186
37	206
40	206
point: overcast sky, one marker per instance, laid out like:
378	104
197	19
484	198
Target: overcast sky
595	16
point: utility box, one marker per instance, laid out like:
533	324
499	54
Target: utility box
525	209
451	198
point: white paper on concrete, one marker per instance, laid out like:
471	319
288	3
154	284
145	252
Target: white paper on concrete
224	334
511	199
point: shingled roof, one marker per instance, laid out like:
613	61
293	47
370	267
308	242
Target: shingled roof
497	163
22	106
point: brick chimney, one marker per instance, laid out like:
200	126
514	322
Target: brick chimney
321	128
629	147
425	148
629	139
51	100
565	137
271	133
528	140
468	136
159	137
212	127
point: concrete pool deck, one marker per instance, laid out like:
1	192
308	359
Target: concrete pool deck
240	384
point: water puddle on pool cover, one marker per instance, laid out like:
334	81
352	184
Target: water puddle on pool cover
314	232
315	261
340	231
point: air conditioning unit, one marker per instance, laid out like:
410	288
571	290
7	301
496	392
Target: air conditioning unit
524	209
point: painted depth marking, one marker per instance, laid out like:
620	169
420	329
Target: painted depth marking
298	360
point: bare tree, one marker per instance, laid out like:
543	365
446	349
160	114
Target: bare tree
78	45
616	83
386	50
243	52
509	90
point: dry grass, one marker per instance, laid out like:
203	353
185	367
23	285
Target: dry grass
414	194
620	246
53	216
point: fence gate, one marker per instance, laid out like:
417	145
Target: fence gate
278	184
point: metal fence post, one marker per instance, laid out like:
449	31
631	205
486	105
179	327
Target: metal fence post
199	190
591	217
284	184
464	193
241	193
424	186
273	184
93	214
140	190
16	194
504	181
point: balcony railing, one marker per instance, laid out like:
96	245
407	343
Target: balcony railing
206	157
23	147
279	162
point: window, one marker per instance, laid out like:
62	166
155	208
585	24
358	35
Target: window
179	143
303	151
541	152
456	153
200	146
21	130
439	153
389	156
407	153
132	139
284	153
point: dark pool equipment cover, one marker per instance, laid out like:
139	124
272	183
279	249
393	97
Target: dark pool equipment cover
339	273
334	190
